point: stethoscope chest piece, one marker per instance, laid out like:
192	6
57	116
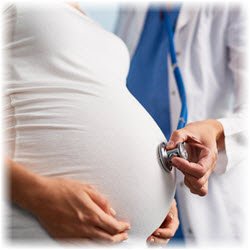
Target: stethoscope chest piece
165	156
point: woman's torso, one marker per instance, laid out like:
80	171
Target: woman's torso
69	114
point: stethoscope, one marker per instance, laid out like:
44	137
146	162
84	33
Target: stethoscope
165	156
180	151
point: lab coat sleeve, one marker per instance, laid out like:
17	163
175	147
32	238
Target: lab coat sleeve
235	125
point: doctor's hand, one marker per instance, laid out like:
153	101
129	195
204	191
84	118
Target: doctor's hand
71	209
204	139
163	234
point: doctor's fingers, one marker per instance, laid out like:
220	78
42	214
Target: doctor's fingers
208	158
180	135
191	188
198	183
201	192
190	168
206	161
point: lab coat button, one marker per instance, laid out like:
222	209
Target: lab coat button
173	92
182	184
190	231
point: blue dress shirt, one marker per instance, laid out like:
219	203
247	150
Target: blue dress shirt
148	76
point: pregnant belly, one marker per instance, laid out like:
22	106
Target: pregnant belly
110	143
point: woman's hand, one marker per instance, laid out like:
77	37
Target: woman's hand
67	209
70	209
204	139
167	230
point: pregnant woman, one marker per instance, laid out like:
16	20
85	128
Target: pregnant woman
70	119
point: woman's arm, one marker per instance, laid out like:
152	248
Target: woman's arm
24	186
65	208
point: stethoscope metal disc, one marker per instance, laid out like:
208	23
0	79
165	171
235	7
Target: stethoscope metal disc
165	156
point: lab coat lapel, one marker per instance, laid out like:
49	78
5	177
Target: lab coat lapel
138	18
186	15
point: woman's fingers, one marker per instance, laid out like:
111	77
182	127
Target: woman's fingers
165	233
168	228
172	215
157	241
101	201
98	234
110	224
105	221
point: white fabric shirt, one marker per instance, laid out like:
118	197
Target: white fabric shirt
210	45
67	110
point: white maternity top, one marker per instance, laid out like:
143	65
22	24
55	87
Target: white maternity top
69	114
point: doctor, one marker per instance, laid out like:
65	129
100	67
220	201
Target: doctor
209	46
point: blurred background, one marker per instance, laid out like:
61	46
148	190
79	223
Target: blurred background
106	14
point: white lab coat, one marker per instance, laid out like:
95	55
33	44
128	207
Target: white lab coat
210	45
